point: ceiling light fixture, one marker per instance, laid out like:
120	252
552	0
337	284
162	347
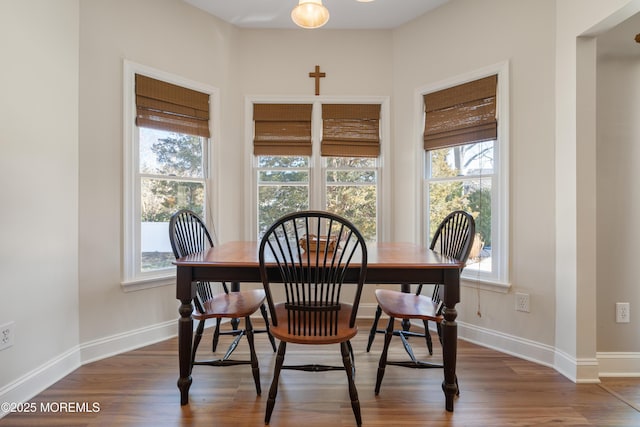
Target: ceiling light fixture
310	14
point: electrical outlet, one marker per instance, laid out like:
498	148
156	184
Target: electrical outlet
6	335
622	312
522	302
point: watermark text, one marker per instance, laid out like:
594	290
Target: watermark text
50	407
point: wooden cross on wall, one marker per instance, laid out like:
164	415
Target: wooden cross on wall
317	75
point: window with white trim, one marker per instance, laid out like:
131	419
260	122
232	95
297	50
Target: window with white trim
465	168
167	138
318	155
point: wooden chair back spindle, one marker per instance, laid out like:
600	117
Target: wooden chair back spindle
454	238
190	235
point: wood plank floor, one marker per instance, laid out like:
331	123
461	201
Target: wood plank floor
138	388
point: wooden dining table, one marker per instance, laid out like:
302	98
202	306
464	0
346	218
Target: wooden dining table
388	263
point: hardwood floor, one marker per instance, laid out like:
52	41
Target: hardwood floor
138	388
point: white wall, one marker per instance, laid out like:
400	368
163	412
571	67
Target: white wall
39	174
173	37
452	41
575	99
278	62
618	175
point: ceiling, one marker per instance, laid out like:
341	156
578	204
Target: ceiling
344	14
619	41
378	14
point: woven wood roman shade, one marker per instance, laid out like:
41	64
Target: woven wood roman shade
350	130
282	129
462	114
165	106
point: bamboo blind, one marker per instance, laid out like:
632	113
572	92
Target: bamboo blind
461	114
282	129
165	106
350	130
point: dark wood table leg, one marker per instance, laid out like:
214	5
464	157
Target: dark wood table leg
235	287
185	291
406	288
450	336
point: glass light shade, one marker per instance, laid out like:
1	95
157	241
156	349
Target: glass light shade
310	14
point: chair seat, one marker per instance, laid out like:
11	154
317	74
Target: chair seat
233	304
407	305
345	333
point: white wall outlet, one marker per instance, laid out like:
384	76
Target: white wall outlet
6	335
622	312
522	302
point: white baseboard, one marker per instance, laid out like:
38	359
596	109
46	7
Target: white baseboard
32	383
619	364
39	379
509	344
576	370
367	311
127	341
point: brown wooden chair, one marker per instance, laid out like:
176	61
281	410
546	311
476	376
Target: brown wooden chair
454	237
188	234
309	255
452	246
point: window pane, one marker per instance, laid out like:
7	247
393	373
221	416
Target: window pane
275	201
283	176
463	160
155	252
449	191
160	198
283	162
168	153
283	187
350	186
351	162
356	203
366	176
479	197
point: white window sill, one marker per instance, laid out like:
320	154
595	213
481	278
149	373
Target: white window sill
148	283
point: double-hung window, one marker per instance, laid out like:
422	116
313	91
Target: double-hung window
167	158
318	155
465	168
